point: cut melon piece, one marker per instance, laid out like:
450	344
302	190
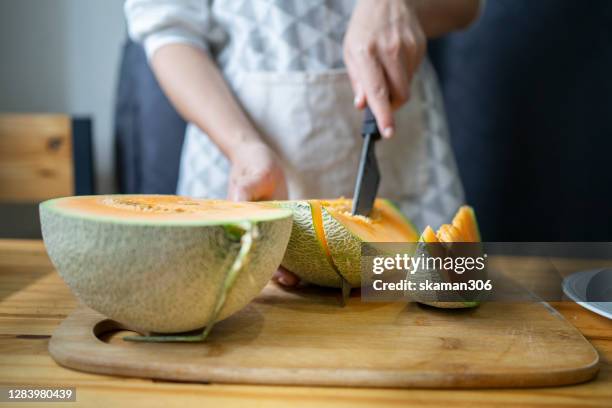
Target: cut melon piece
326	240
429	236
307	253
448	233
465	222
464	229
164	264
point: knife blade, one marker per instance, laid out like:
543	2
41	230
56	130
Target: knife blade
368	179
368	174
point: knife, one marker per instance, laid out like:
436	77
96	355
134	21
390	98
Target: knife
368	175
368	178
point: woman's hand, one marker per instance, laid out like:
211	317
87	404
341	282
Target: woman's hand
383	48
256	174
386	42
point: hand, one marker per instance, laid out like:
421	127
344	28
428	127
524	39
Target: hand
383	48
256	174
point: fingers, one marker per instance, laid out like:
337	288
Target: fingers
371	76
360	98
249	189
285	278
397	63
400	59
250	183
381	62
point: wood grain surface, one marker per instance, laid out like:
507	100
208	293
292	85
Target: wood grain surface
34	301
303	337
35	157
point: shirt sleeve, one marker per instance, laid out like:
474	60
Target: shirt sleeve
156	23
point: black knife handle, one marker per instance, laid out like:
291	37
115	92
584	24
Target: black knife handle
370	127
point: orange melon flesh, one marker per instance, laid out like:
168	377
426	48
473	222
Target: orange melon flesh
345	233
463	229
317	222
465	222
384	224
429	235
164	208
448	233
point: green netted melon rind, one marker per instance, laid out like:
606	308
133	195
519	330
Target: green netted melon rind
345	248
159	277
305	255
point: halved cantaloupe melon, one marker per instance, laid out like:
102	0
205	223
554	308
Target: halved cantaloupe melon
164	264
326	239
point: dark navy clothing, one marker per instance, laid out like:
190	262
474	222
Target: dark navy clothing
148	132
528	91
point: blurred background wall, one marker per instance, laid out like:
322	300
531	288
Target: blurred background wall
63	56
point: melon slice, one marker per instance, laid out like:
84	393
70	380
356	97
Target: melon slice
164	264
464	229
465	222
449	233
308	254
429	235
325	244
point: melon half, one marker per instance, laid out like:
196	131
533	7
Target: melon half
164	264
326	239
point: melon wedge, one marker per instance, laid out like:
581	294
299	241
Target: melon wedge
429	235
325	243
464	229
164	264
465	221
307	253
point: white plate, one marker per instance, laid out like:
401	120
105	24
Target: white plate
575	287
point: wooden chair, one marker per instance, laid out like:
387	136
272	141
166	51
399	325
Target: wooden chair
42	156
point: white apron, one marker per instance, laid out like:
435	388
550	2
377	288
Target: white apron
309	119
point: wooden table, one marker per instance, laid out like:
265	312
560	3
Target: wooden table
34	300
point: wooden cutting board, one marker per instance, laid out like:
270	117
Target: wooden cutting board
303	337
